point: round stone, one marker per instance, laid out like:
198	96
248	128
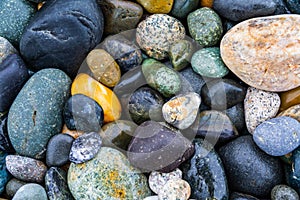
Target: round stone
175	189
157	180
31	191
6	48
205	26
181	8
180	54
259	106
264	61
208	62
13	186
278	136
156	33
280	192
154	6
108	175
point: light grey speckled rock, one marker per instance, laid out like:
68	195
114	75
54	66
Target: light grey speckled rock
31	191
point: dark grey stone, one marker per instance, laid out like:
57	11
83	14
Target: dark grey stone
12	186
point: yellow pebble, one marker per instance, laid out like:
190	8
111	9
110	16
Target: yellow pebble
207	3
157	6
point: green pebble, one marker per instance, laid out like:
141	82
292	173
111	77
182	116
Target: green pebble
205	26
180	54
208	62
181	8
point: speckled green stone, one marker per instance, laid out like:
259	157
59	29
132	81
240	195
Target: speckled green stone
36	113
208	62
161	78
281	192
180	54
108	176
15	16
5	48
205	26
181	8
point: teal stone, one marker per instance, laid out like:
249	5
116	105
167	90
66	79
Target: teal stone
36	114
281	192
205	26
180	54
15	16
4	175
6	48
31	191
181	8
161	78
208	62
294	6
108	176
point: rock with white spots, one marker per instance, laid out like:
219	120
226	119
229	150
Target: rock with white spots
176	189
259	106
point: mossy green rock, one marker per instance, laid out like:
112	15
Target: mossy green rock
208	62
205	26
36	113
180	54
108	176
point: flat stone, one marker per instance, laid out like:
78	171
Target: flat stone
13	186
175	189
278	136
181	8
104	68
239	10
284	192
4	175
259	106
181	111
64	45
153	6
293	112
6	48
156	33
108	175
85	147
180	54
290	98
26	169
157	180
264	61
42	97
205	26
31	191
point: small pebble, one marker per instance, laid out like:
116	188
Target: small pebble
290	98
13	186
4	175
181	8
180	54
6	48
281	192
153	6
31	191
175	189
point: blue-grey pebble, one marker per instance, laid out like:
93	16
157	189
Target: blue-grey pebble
13	186
278	136
4	175
36	114
31	191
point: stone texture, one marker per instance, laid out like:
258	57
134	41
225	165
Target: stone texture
5	144
42	97
31	191
241	196
157	6
61	34
284	192
108	176
4	175
6	48
175	189
293	5
181	8
26	169
156	33
180	54
264	52
289	98
292	170
259	106
13	186
191	81
237	116
74	133
293	112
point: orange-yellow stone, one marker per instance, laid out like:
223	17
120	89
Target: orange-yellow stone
290	98
207	3
86	85
157	6
74	133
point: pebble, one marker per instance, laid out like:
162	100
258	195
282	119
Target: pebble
180	54
120	15
181	111
56	184
240	196
292	170
86	85
85	147
145	104
293	5
156	33
161	78
165	148
104	68
290	98
263	61
249	170
278	136
175	189
221	94
205	173
191	81
124	50
280	192
13	186
157	180
83	113
154	6
58	150
108	176
238	10
281	7
15	16
5	144
237	116
208	62
13	75
47	43
181	8
206	3
259	107
205	26
26	169
42	97
293	112
6	48
4	175
31	191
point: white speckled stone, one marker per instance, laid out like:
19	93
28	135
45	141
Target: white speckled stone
259	106
157	180
176	189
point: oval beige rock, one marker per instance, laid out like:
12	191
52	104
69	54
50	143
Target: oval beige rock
265	52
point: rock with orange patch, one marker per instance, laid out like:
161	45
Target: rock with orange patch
181	111
207	3
84	84
265	52
74	133
108	176
157	6
290	98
